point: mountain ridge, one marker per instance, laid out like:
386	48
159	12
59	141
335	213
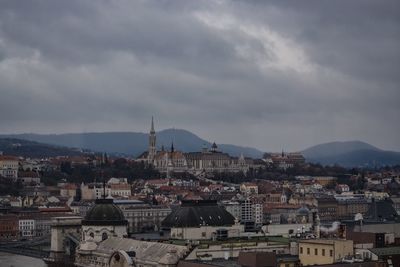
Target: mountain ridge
133	143
346	153
20	147
351	154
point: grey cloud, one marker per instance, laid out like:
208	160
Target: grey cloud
72	66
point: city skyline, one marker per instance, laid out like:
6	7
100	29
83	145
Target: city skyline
266	75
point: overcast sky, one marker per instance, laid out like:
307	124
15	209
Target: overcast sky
267	74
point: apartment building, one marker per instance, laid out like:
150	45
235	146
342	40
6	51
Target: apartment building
324	251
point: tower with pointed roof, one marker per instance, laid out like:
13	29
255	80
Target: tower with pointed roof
152	143
214	148
242	160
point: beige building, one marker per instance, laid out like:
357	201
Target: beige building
94	191
324	251
214	160
308	200
68	190
120	190
168	161
9	167
249	188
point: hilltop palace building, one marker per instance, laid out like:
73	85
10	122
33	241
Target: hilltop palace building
205	161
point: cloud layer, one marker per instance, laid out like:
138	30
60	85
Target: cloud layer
269	74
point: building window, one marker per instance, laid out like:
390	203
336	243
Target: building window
301	250
323	252
316	252
104	236
331	253
308	251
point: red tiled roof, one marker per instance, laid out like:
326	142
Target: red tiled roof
120	186
70	186
157	181
5	157
250	184
55	209
28	174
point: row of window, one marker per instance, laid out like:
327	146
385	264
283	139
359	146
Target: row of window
8	235
323	252
10	166
26	222
26	228
27	233
148	214
7	227
104	235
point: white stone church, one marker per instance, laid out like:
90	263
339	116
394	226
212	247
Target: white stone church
208	160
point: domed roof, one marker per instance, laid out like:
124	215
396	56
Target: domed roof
303	211
104	212
196	213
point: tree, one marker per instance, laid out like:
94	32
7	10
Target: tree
66	167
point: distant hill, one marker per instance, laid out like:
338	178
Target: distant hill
347	154
133	143
351	154
336	148
18	147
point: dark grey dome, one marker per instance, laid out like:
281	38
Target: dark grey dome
196	213
303	211
104	212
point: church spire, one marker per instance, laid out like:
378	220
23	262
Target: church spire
152	125
152	142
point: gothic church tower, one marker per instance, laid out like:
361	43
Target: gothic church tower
152	143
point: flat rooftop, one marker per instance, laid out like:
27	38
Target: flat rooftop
322	241
214	262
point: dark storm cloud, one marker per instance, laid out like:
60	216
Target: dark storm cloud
270	74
